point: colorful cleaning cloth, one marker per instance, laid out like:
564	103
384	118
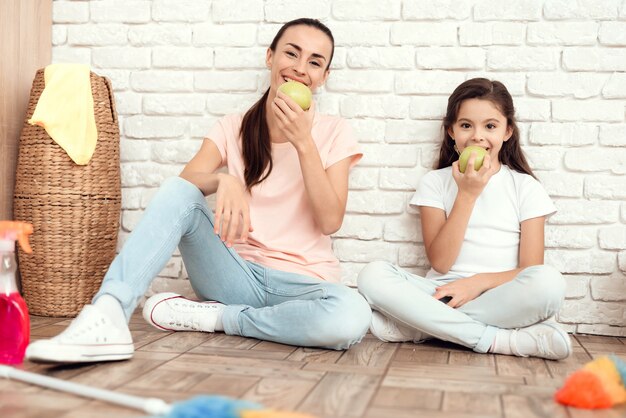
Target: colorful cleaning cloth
65	110
223	407
598	384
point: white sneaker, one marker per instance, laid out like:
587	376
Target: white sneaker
387	330
550	341
90	337
173	312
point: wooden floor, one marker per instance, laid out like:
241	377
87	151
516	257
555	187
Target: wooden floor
371	380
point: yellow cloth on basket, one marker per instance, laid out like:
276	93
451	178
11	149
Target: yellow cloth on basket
65	110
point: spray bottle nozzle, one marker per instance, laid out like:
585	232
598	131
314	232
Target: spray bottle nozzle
15	230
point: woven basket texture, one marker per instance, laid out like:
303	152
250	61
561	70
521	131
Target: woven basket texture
75	210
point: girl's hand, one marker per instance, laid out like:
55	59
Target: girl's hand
294	123
461	291
231	208
472	182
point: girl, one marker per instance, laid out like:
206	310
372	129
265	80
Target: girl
265	255
488	288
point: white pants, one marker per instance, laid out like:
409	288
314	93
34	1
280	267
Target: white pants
534	295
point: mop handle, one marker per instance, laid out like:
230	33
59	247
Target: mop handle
153	406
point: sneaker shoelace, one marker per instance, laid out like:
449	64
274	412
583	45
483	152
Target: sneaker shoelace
392	329
187	318
543	340
79	327
543	344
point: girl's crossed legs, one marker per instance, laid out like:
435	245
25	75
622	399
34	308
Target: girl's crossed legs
488	323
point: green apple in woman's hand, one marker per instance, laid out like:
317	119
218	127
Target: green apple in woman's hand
478	162
298	92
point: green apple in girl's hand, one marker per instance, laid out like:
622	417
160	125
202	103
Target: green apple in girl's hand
298	92
478	162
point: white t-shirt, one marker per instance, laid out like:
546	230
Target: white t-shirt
491	242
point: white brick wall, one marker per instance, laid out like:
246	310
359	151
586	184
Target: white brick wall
177	65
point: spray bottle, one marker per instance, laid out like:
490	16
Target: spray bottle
14	319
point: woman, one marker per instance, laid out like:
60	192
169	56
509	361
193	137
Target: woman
265	256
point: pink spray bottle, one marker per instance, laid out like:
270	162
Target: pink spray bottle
14	319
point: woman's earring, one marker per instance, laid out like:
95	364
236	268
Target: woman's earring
456	149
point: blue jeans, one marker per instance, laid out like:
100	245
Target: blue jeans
262	303
534	295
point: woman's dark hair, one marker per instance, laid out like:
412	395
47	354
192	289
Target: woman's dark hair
255	136
511	152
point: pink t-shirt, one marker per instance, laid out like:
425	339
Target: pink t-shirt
285	235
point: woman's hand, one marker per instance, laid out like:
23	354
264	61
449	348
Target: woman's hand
472	182
461	291
231	209
294	123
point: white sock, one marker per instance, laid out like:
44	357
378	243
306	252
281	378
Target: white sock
501	344
112	308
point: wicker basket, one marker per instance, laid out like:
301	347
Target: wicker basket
74	209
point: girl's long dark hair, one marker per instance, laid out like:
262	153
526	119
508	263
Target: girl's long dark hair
255	136
511	152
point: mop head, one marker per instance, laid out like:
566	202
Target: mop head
599	384
222	407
